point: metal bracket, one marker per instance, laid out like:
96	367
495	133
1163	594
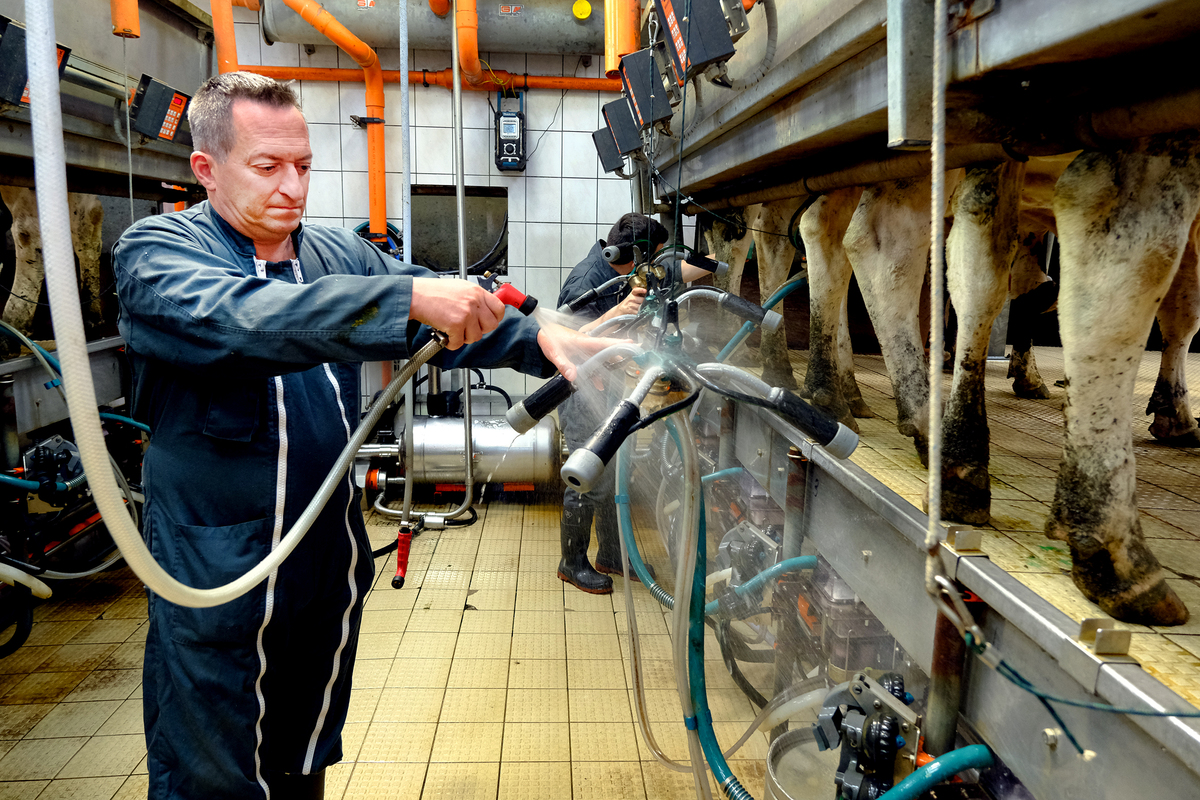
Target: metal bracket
1096	646
363	122
966	12
909	74
960	543
736	16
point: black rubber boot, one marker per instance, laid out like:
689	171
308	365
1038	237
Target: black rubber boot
608	556
575	533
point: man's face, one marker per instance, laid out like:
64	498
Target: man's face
262	186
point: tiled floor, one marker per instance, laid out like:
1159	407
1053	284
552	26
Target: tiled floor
1026	443
481	679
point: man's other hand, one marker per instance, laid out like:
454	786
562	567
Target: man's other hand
464	311
630	304
565	347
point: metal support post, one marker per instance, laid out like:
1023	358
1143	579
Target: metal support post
909	74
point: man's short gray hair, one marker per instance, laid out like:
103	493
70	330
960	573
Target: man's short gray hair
210	114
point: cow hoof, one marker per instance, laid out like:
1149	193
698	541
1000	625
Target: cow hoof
783	378
965	501
1142	598
1169	435
861	410
1028	392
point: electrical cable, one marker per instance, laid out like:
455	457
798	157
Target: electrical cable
665	411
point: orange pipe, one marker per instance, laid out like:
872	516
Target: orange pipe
494	79
125	21
466	19
621	33
372	74
747	5
440	7
253	5
225	41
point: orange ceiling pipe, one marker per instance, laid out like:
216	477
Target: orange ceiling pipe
621	33
225	42
494	79
440	7
125	21
466	19
253	5
325	23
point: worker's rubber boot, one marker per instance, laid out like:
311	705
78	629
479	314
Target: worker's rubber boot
608	557
295	786
575	533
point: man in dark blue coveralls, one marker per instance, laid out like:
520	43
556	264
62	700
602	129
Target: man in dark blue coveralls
245	331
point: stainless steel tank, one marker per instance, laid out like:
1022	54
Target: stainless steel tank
501	455
548	26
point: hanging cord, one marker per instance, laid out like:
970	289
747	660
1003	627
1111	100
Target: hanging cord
937	253
128	126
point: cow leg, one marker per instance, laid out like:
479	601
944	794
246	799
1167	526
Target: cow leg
845	357
729	241
1032	293
1178	319
1123	219
887	242
822	227
87	219
775	256
978	253
27	239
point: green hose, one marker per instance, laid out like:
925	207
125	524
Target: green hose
769	574
941	769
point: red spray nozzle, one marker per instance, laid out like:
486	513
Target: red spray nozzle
512	296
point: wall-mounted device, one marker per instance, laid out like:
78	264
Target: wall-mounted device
606	149
643	86
624	130
698	42
14	79
510	134
157	110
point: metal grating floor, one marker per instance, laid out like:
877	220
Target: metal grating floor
1026	438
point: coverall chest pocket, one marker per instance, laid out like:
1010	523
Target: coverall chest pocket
234	410
206	557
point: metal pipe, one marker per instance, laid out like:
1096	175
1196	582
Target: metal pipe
325	23
440	7
9	438
224	40
460	208
945	687
1168	114
621	32
494	80
466	40
125	20
97	84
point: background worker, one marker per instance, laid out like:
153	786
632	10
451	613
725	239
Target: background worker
582	413
245	330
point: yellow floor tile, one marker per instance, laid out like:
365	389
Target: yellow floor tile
539	645
27	790
77	657
362	704
599	705
539	581
463	742
396	741
497	581
539	622
385	621
418	672
435	599
607	781
536	705
461	781
656	674
378	645
127	719
537	674
487	621
74	719
106	755
129	655
44	633
26	659
492	599
595	674
38	759
135	787
371	673
446	579
16	721
387	599
473	705
593	646
82	789
48	687
603	741
395	781
589	623
482	673
118	684
539	601
537	741
427	644
534	781
105	631
483	645
409	705
440	620
353	736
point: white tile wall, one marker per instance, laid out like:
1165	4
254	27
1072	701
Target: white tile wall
557	208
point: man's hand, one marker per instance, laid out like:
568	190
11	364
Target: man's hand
630	304
464	311
565	347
